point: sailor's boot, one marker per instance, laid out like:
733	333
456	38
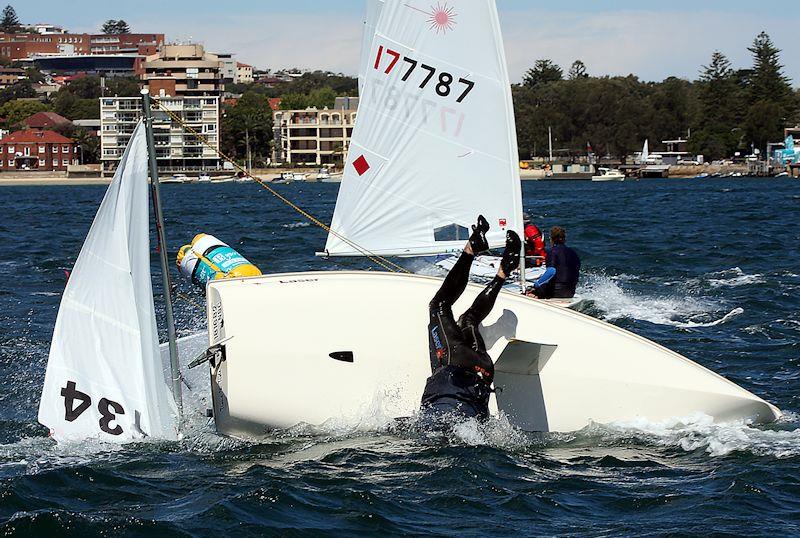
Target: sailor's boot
478	240
511	256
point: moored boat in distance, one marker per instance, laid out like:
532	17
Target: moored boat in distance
609	174
284	178
176	179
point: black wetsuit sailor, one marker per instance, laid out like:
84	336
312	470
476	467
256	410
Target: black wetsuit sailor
463	371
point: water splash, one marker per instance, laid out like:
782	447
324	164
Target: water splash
296	225
678	309
700	432
733	278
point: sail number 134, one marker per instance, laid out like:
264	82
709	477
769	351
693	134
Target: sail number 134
445	83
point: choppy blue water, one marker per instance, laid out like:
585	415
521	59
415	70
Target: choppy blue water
708	268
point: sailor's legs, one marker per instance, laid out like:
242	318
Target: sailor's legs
455	283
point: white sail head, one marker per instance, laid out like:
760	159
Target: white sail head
105	378
435	141
372	15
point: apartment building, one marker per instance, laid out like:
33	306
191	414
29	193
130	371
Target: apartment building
244	73
183	70
228	67
24	46
177	150
313	136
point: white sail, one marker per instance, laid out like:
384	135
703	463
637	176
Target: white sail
646	152
105	377
373	13
435	142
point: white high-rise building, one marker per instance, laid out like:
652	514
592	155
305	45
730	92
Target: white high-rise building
177	150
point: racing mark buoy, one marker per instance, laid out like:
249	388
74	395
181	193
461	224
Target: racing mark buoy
208	258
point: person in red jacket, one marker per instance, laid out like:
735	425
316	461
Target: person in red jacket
534	244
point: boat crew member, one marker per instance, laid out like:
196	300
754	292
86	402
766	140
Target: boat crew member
534	244
563	269
463	371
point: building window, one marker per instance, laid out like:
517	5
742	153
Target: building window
42	162
41	149
64	149
11	149
27	151
65	162
55	163
11	162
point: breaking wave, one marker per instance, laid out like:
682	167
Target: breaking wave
615	302
733	278
296	225
700	432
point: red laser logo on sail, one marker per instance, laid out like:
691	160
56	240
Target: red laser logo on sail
442	18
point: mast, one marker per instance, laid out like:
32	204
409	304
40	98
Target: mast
159	216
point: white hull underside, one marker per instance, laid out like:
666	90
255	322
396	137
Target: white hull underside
559	370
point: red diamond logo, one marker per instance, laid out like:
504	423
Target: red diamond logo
503	223
361	165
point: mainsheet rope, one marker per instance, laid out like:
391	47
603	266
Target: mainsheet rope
375	258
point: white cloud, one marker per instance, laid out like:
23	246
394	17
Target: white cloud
650	44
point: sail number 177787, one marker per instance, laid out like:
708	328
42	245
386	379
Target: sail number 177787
444	82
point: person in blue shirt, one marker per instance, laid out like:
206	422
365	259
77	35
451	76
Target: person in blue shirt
563	269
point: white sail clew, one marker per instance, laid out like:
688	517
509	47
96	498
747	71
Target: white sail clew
435	141
373	13
105	377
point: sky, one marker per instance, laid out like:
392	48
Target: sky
652	40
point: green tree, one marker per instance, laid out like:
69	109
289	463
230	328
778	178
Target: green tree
721	100
294	101
771	101
75	108
577	70
543	72
34	75
767	81
322	98
15	112
18	90
10	22
251	119
112	26
122	87
88	143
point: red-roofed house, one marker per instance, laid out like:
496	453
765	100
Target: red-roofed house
275	103
45	120
37	150
244	73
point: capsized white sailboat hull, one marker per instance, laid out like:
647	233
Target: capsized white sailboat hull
557	370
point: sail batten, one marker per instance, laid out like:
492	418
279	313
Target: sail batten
435	140
105	378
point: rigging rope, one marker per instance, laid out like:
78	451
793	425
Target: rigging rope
375	258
